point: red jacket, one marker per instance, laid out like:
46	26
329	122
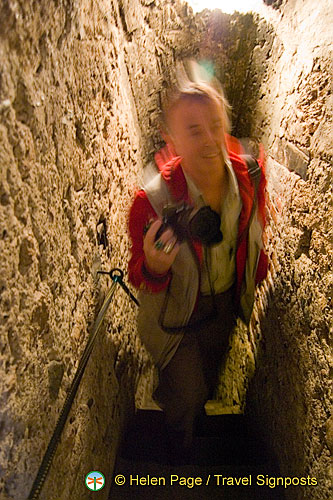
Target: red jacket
142	212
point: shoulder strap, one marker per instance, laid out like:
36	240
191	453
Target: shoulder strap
255	174
254	171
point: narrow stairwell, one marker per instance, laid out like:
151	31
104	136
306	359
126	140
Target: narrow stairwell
227	461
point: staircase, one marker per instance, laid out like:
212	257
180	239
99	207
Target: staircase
227	461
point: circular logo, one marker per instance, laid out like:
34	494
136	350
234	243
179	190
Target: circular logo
95	480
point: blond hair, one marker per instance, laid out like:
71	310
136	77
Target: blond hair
192	82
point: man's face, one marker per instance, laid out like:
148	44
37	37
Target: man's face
197	134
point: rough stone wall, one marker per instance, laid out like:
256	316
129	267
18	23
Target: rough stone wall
282	67
230	43
80	84
290	396
78	80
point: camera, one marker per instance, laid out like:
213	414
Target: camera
187	222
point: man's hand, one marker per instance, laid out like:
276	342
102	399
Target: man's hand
160	254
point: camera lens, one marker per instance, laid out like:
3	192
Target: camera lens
205	226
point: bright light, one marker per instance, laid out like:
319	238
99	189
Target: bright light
227	6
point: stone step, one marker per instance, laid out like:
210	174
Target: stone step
226	461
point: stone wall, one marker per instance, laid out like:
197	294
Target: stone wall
230	43
276	70
78	82
80	87
290	394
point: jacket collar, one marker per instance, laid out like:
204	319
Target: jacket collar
169	164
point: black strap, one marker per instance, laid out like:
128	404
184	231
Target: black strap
254	171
